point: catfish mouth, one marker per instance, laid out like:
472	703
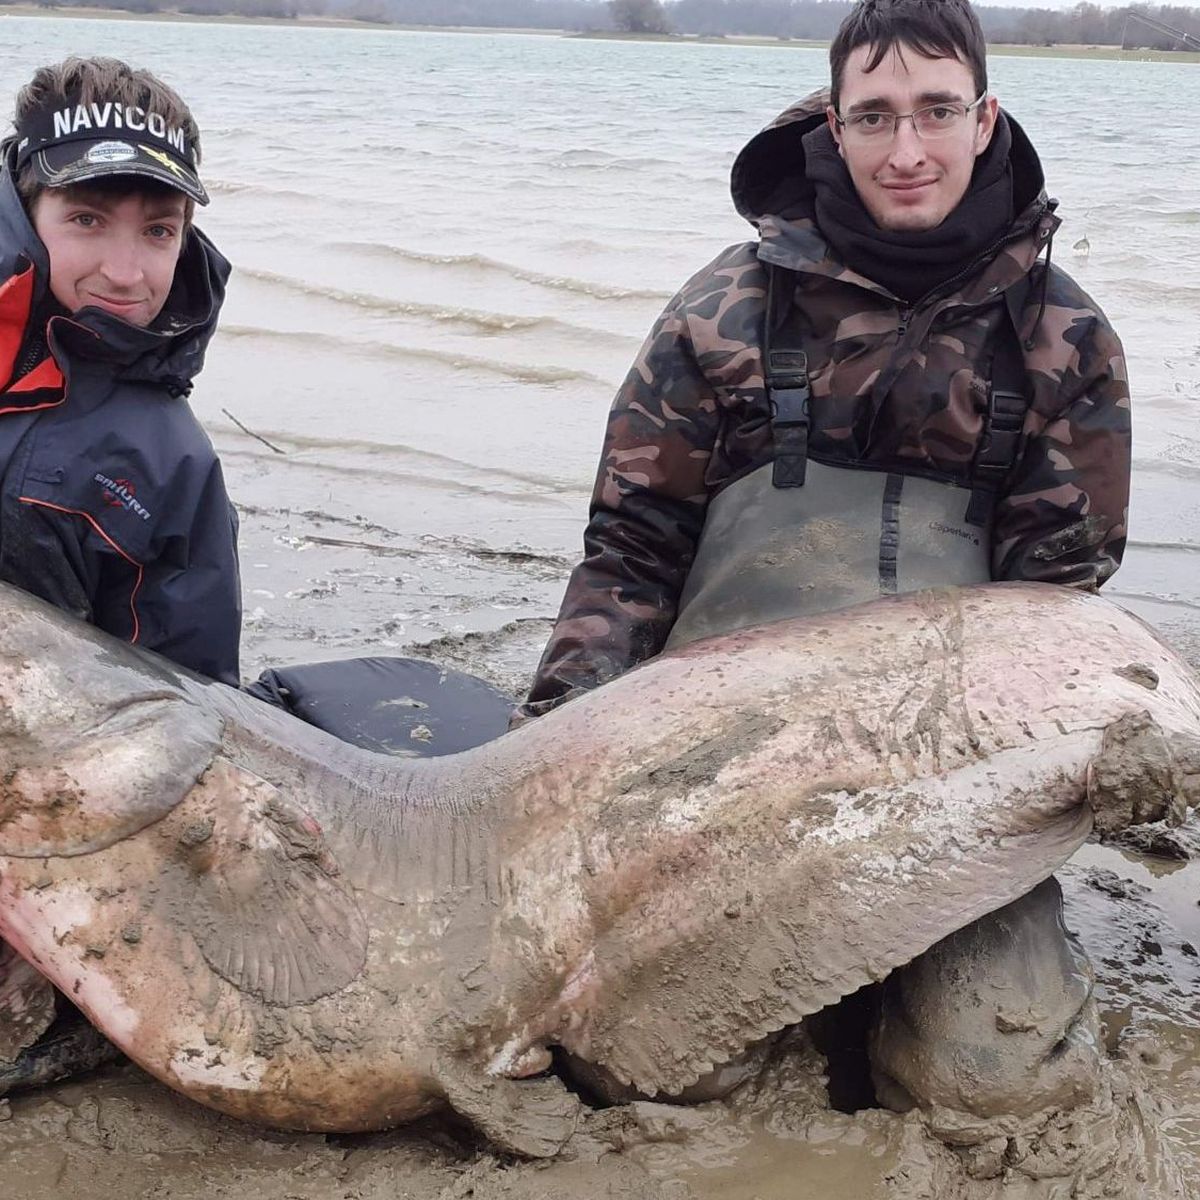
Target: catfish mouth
134	714
72	790
55	746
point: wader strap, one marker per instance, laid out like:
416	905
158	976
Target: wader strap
889	535
1008	401
786	374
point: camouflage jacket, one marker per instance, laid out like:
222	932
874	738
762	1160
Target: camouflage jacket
894	387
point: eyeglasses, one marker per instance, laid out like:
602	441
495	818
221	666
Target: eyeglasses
931	122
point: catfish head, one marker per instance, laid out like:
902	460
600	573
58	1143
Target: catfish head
96	741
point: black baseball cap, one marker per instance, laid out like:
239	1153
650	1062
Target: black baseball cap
68	142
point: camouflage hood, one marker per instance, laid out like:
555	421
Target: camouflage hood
772	191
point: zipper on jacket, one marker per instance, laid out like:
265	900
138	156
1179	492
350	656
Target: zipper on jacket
35	351
948	286
906	313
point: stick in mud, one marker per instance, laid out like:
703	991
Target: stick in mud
258	436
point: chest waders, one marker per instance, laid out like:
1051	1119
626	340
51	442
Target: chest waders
798	537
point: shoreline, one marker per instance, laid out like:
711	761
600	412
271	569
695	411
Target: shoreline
1008	49
174	17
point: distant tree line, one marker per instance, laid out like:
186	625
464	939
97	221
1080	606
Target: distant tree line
1090	25
1086	23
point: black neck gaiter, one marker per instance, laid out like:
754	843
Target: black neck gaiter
910	264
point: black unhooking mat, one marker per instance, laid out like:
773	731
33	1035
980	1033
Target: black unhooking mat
391	705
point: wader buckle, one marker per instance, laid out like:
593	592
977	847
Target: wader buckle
788	394
997	453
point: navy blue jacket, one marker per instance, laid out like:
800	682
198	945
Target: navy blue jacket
112	502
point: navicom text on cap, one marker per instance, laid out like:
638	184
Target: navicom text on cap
72	142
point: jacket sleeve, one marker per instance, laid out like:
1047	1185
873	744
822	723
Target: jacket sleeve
646	514
187	601
1064	516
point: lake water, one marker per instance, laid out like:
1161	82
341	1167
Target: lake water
449	246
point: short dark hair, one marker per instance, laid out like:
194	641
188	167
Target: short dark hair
934	28
93	79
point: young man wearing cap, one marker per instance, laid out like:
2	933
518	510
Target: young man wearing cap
112	501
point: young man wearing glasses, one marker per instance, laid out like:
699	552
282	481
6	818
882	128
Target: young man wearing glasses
891	389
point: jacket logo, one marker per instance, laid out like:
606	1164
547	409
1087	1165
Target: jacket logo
119	493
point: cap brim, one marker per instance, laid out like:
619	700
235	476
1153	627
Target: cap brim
79	162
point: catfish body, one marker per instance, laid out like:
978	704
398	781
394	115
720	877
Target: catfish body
654	876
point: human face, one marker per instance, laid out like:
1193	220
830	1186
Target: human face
117	253
905	182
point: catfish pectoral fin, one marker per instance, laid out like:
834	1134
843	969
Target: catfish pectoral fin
690	978
534	1118
75	790
278	922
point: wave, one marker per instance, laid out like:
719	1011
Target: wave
1188	547
521	372
491	484
1163	296
515	559
303	528
301	441
616	236
407	152
481	320
1170	601
601	160
481	262
440	125
224	187
402	462
1177	468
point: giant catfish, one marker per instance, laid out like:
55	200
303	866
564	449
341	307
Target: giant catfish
310	936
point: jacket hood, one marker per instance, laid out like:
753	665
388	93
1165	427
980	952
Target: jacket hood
769	181
170	351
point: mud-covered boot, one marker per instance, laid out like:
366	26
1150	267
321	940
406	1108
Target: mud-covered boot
997	1020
